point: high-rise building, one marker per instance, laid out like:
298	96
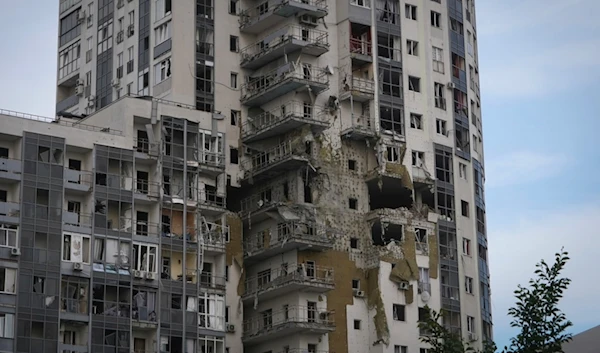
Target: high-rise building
246	176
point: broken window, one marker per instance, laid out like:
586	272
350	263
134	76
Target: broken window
356	284
235	117
480	220
446	205
351	164
414	84
392	154
447	244
39	284
43	154
353	243
482	251
468	285
462	171
143	305
436	19
456	26
458	65
421	240
470	324
111	251
410	11
389	47
76	248
388	11
8	282
438	60
391	81
443	165
438	91
74	295
416	121
412	47
467	246
399	312
418	158
462	138
233	155
440	127
464	206
383	234
144	257
392	120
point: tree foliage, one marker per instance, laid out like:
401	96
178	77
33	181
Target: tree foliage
543	325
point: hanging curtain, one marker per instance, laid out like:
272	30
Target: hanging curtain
76	249
219	313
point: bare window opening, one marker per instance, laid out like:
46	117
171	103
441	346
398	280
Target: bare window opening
440	127
235	117
462	171
233	155
399	312
410	11
392	120
421	240
42	197
353	203
357	324
383	234
234	43
351	164
462	139
436	19
286	190
443	165
308	148
414	84
416	121
308	197
464	206
438	92
37	329
39	284
100	206
43	154
467	246
233	7
412	47
392	154
3	152
418	158
356	284
353	243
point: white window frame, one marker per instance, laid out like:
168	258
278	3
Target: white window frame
438	59
469	285
162	33
418	158
467	247
67	256
470	324
416	121
441	127
10	280
361	3
161	10
7	325
436	19
410	11
422	245
150	263
213	317
462	171
120	257
5	234
215	146
162	70
120	59
412	47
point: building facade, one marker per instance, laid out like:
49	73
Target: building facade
306	177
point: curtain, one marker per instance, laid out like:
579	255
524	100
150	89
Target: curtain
98	250
220	313
191	304
76	248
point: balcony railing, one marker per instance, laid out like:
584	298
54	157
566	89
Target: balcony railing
299	74
359	46
310	318
205	279
67	4
288	232
294	274
78	177
112	309
207	158
358	85
147	229
211	198
265	160
77	219
75	306
259	12
146	187
114	181
362	126
293	110
213	236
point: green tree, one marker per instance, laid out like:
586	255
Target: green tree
543	325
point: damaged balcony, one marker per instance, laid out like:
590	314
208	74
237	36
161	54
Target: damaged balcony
262	16
9	212
272	162
265	87
213	236
360	89
77	222
78	181
290	236
211	202
361	127
281	120
74	299
145	191
172	229
143	312
269	284
360	44
10	170
144	150
292	320
383	231
284	41
391	187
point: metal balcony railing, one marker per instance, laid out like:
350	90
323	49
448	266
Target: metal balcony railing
205	279
254	202
212	198
112	309
292	109
290	71
75	306
254	14
359	46
309	317
60	122
77	219
296	273
281	37
261	161
67	4
146	187
288	232
213	235
208	158
79	177
357	85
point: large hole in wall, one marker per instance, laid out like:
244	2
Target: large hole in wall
391	194
384	233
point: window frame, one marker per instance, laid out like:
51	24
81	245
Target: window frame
89	246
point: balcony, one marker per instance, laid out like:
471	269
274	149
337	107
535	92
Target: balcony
145	191
361	127
146	229
211	202
272	162
290	236
281	120
210	163
286	78
213	236
65	5
284	41
74	309
361	51
259	18
360	89
72	348
10	170
114	184
67	103
297	278
145	150
77	222
78	181
287	322
9	212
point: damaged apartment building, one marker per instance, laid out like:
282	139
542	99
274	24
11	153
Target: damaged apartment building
306	176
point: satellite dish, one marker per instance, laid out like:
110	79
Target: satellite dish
425	296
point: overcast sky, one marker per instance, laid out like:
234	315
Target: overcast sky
540	73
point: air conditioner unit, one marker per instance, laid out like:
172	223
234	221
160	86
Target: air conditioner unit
358	293
80	82
137	274
151	276
15	251
450	85
92	98
308	20
79	90
230	328
472	336
77	266
81	16
403	285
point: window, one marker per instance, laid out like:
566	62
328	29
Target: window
8	237
414	84
356	284
69	27
162	33
233	7
235	117
105	33
144	257
438	60
462	171
389	47
469	285
162	71
131	18
163	9
7	326
233	155
416	121
76	248
421	240
440	127
90	14
391	81
410	12
233	80
354	243
353	203
234	43
400	349
412	47
425	350
362	3
470	324
399	312
351	164
467	246
392	119
8	280
418	158
393	155
438	92
69	60
464	206
357	324
456	26
476	143
436	19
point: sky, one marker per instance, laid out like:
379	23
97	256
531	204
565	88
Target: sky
539	72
